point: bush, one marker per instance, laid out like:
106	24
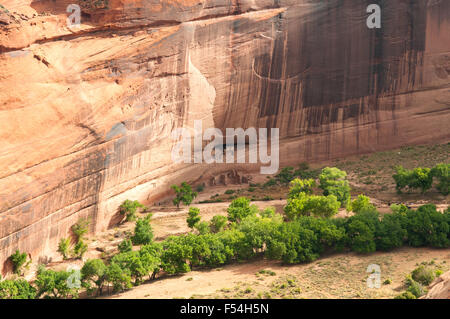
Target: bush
414	287
193	217
441	172
202	228
270	182
200	188
361	230
93	272
240	208
286	175
301	186
118	277
333	181
64	247
184	194
413	179
54	284
129	209
406	295
218	223
143	233
427	226
362	203
390	232
80	249
268	212
423	275
125	246
175	255
230	191
80	228
18	259
16	289
306	205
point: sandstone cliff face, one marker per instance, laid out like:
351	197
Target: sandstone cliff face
87	113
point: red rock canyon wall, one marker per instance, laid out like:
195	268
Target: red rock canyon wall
87	113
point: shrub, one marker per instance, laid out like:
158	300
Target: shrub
415	288
93	272
129	209
441	172
175	255
200	188
285	176
423	275
427	226
362	203
118	277
413	179
143	233
16	289
230	191
202	227
390	232
306	205
361	230
18	259
270	182
80	249
64	247
301	186
218	223
54	284
268	212
125	246
240	208
193	217
184	194
333	181
80	228
406	295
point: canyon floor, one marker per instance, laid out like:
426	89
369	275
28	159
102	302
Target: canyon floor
333	276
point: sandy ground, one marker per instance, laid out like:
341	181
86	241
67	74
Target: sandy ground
336	276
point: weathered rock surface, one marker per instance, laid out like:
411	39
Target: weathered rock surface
87	113
440	288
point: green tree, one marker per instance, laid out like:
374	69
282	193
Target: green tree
16	289
64	247
18	259
362	203
301	186
333	181
125	246
80	249
150	256
218	223
441	172
54	284
184	194
129	208
143	233
80	228
118	277
193	217
93	272
240	208
202	227
175	255
306	205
